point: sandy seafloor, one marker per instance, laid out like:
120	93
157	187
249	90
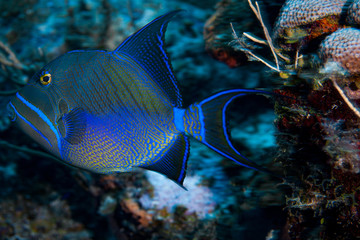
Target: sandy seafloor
42	199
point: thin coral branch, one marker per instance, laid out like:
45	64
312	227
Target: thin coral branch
256	9
296	59
13	60
4	61
257	13
254	38
282	56
345	98
247	51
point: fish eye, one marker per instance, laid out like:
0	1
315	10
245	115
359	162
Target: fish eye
45	78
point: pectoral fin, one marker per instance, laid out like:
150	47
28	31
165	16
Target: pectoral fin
72	125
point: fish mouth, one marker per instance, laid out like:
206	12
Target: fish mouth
15	114
33	121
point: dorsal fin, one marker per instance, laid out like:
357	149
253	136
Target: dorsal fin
146	47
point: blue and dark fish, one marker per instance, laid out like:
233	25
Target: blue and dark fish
113	111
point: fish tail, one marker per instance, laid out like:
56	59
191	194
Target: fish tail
206	122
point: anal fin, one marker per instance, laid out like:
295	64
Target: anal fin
173	162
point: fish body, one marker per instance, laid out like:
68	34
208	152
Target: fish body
113	111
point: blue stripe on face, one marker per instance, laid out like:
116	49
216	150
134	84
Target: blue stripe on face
43	117
30	124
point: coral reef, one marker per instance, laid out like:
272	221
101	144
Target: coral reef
318	115
342	47
300	22
217	33
26	219
353	14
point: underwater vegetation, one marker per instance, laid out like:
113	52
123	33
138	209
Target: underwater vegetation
314	57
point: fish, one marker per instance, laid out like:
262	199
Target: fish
115	111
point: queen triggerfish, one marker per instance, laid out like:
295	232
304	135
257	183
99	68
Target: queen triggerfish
110	112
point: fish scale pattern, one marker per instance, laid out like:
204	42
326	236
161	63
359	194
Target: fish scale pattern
116	147
343	47
129	117
301	12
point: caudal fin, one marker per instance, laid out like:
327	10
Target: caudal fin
206	121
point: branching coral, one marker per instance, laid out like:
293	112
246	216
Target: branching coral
11	60
317	53
217	33
243	46
8	58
